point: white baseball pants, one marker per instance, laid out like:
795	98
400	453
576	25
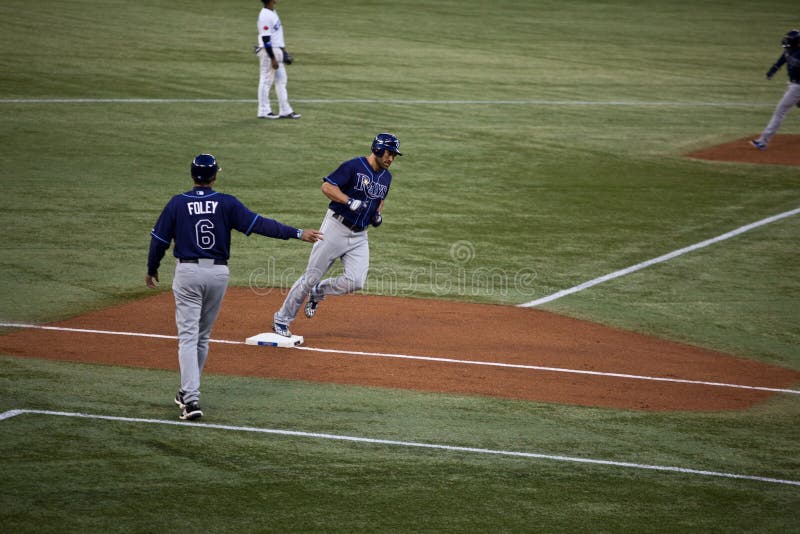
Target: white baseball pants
269	76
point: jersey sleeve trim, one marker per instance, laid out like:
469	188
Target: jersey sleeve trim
252	224
159	238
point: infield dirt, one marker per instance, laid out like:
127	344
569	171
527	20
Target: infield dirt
431	328
782	150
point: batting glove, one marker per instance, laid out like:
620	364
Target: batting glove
355	204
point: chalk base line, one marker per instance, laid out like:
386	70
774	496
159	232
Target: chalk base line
674	254
429	359
411	444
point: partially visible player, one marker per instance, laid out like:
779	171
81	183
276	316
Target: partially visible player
357	190
790	57
200	223
273	58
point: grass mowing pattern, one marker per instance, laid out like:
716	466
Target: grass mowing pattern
579	174
129	473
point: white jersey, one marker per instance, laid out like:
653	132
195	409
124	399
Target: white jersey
270	24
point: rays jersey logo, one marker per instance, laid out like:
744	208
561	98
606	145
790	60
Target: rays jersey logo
373	190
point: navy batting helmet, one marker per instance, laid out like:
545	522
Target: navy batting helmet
386	141
792	39
204	168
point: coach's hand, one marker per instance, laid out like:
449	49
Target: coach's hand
312	236
151	281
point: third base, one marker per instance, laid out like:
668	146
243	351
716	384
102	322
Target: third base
271	339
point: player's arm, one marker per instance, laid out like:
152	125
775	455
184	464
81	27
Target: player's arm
267	41
160	238
272	228
248	222
333	192
158	247
377	219
778	64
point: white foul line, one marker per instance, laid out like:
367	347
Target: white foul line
382	101
552	369
429	359
451	448
665	257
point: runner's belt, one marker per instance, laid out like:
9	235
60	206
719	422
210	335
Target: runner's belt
352	227
195	260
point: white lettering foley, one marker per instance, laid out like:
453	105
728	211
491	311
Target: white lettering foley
202	208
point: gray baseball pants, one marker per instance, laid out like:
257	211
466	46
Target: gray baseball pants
790	98
198	289
339	242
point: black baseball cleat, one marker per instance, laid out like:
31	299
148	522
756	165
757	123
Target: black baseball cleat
313	301
191	411
269	115
179	399
281	329
758	144
291	115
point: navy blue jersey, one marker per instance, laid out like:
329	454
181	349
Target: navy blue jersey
792	60
357	180
200	223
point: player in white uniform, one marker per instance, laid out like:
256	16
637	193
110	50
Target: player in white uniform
271	51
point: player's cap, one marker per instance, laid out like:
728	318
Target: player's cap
204	168
386	141
791	39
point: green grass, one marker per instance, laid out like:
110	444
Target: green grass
544	143
153	477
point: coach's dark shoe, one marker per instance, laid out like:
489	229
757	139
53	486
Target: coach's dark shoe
758	144
314	298
191	411
291	115
179	399
281	329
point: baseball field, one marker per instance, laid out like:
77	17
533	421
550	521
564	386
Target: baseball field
582	310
